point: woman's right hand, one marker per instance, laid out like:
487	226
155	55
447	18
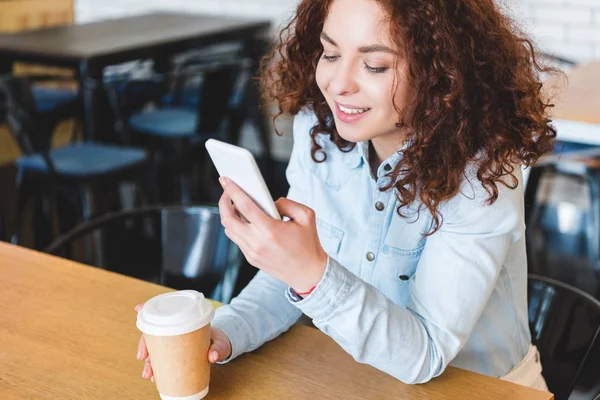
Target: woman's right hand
220	349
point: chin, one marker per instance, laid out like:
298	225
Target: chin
354	134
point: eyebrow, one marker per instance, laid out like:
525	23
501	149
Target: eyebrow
374	48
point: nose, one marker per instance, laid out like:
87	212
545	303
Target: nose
343	80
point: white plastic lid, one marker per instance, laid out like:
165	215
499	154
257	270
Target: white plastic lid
175	313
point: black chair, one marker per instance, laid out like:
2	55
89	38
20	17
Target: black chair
565	326
53	94
2	229
562	212
173	114
69	173
178	246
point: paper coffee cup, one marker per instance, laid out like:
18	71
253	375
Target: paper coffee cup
176	328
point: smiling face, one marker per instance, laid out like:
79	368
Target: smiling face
361	74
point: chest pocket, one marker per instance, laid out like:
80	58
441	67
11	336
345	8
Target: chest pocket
330	237
399	257
405	236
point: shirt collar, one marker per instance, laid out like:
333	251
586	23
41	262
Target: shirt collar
360	155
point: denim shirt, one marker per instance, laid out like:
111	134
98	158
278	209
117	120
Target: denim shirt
406	304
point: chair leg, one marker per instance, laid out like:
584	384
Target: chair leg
2	229
42	220
22	199
148	186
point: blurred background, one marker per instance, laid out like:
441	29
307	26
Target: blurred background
104	112
105	108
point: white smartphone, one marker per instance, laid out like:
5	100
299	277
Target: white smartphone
238	164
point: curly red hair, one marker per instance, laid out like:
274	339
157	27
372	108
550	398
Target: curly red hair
477	94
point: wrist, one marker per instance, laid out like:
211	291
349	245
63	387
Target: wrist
310	281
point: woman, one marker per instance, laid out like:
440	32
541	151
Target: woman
405	240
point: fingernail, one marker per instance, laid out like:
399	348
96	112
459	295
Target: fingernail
152	379
139	354
223	181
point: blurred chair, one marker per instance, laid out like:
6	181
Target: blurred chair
23	15
173	114
75	168
178	246
565	326
562	212
2	229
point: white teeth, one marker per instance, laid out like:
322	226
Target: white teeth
353	110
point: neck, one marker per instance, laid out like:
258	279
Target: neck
381	148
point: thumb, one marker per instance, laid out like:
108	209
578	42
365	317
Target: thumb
293	210
220	348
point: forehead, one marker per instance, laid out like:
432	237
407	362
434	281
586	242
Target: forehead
358	23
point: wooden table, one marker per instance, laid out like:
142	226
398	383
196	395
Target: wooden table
89	48
68	331
577	103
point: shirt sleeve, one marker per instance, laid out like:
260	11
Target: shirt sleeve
456	274
261	313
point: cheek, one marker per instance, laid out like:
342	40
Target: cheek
401	95
401	92
322	77
380	91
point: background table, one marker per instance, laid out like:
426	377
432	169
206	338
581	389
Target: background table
576	113
68	332
89	48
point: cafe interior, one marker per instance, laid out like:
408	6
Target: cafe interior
108	197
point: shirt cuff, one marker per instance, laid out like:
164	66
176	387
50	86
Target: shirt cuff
235	329
331	292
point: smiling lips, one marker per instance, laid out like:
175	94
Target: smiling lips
350	114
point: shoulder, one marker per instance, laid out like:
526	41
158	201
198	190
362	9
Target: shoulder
304	121
469	210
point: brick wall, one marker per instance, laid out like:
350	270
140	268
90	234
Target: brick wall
276	10
569	28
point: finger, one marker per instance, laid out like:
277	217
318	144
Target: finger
142	352
296	211
139	307
219	351
240	216
229	215
245	205
238	240
147	373
235	229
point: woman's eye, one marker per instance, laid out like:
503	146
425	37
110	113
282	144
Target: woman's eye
375	70
329	58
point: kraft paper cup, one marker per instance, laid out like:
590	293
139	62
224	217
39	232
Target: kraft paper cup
176	328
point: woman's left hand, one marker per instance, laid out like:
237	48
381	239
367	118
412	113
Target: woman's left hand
289	251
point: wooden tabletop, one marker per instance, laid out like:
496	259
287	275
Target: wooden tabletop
68	332
108	37
578	97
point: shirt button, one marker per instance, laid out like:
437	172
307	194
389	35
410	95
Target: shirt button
370	256
387	167
379	206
